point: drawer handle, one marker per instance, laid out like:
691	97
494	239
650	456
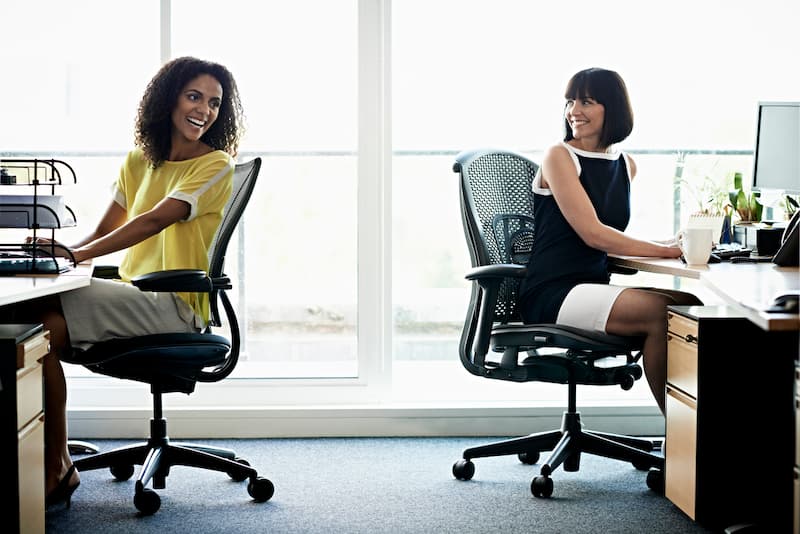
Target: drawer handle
690	338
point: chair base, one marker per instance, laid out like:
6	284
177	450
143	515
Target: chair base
156	460
567	445
159	454
81	447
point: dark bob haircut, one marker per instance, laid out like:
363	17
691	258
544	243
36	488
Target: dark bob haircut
153	133
608	89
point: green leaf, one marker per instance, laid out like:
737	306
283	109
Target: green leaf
741	200
733	196
737	181
743	206
755	208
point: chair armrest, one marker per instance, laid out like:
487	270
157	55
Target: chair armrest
185	280
613	268
500	270
109	272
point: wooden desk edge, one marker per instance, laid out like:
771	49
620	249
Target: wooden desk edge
659	266
79	277
766	321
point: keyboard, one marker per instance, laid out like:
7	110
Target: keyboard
28	265
731	250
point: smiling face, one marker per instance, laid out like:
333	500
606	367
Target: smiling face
196	109
585	117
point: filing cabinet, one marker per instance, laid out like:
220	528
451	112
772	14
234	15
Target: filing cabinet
730	455
22	423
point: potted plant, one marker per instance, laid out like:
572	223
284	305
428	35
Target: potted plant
745	204
709	199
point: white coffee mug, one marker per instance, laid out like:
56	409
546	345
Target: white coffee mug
696	245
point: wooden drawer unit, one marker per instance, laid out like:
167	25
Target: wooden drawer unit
22	423
728	382
31	350
29	394
680	455
31	476
30	427
682	340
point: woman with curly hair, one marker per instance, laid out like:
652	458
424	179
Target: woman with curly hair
166	205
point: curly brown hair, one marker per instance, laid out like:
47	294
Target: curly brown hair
154	123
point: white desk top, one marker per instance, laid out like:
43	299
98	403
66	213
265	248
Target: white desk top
26	287
749	286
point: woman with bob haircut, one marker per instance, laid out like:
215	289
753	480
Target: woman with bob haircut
581	209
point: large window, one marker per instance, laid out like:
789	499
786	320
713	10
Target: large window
471	73
296	66
352	253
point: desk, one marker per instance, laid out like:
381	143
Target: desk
747	286
21	408
728	462
14	289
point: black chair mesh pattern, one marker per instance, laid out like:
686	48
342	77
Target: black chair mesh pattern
175	363
497	206
496	203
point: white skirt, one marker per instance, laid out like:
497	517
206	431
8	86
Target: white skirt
109	309
587	306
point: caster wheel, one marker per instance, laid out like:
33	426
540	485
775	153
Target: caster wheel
463	469
239	477
261	489
528	458
147	502
655	480
542	487
626	382
121	472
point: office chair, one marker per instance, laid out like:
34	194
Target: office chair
497	214
175	363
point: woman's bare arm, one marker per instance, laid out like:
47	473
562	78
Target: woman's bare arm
122	236
560	175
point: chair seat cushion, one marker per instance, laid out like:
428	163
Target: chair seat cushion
567	354
550	335
169	361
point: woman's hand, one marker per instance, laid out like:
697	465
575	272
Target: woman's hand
50	245
673	241
673	251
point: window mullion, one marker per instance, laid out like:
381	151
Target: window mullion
374	195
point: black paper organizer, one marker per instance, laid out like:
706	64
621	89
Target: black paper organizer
40	211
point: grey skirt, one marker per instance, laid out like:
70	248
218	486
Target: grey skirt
109	309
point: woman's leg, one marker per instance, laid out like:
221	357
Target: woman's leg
57	459
643	312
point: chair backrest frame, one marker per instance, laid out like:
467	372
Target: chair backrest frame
244	181
496	198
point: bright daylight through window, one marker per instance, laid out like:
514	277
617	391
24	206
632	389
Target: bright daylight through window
449	75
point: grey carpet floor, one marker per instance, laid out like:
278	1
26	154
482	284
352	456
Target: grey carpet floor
375	485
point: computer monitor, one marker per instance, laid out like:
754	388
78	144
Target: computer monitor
776	165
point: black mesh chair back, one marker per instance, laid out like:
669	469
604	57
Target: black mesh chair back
497	207
497	210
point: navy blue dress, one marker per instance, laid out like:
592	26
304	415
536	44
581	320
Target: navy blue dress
560	259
